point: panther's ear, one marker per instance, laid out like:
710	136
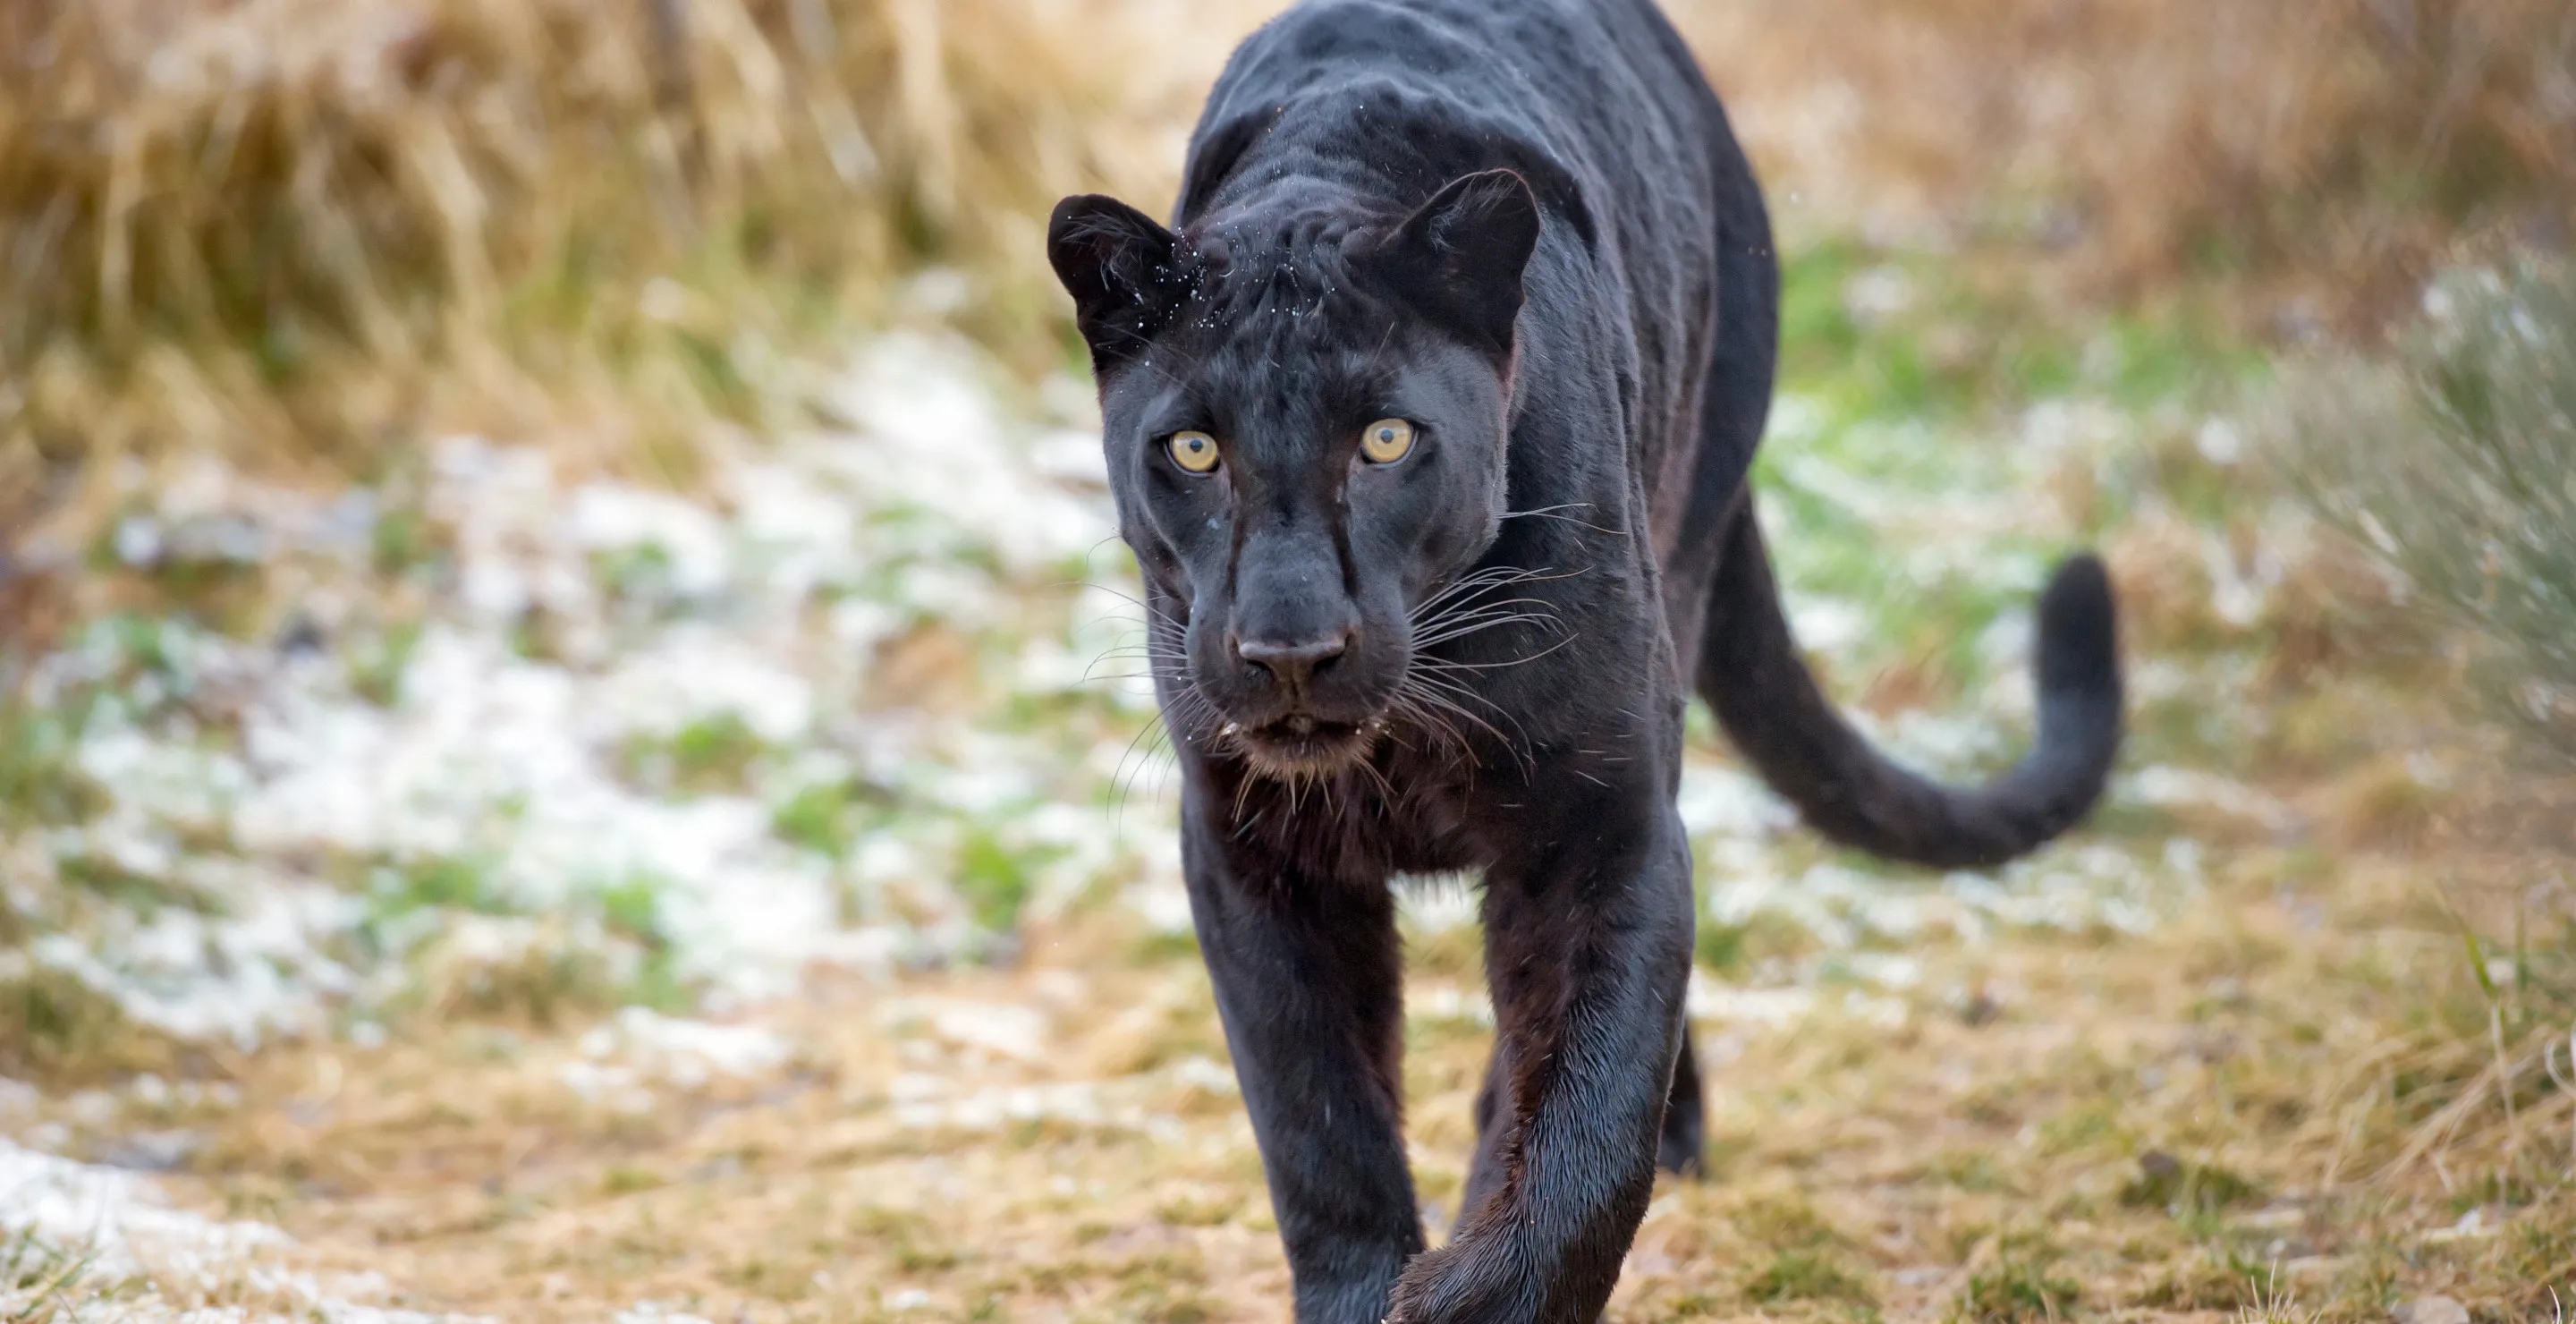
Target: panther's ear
1458	260
1117	263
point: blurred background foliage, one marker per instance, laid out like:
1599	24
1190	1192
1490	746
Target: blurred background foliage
2461	473
294	229
2314	156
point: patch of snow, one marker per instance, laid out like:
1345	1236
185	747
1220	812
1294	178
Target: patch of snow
1075	1102
1447	1002
138	1246
655	1312
120	1218
686	1053
2167	786
571	624
1006	1029
1772	1008
1722	801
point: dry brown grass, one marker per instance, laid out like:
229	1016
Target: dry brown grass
296	230
291	230
2295	1093
2338	142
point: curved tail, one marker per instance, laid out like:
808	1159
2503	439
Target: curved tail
1752	675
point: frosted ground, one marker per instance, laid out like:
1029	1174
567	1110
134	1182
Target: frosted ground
487	730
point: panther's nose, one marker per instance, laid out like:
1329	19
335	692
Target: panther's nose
1294	663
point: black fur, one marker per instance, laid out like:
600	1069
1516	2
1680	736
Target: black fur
1525	227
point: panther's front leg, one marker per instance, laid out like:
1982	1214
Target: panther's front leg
1308	976
1588	950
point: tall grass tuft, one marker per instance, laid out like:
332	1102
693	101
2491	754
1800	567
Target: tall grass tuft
2459	470
287	229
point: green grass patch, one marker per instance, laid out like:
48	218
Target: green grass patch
2218	1279
1786	1223
1880	332
1972	1170
2185	1188
637	577
826	817
2086	1126
376	669
1721	947
626	1180
55	1027
2021	1286
1162	946
711	755
41	1282
439	882
995	877
632	910
41	784
402	540
1805	1275
141	893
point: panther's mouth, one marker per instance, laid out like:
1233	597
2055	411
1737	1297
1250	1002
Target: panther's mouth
1299	746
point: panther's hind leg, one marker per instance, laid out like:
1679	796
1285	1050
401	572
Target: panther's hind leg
1683	1146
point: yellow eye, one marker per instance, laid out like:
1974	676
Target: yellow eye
1387	440
1194	451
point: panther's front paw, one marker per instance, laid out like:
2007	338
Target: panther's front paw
1460	1283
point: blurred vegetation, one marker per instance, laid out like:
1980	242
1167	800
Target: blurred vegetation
303	230
2322	154
296	231
2457	466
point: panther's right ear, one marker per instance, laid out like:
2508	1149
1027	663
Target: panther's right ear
1119	266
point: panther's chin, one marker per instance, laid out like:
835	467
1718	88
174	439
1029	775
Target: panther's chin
1305	748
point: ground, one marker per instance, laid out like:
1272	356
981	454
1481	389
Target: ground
2125	1125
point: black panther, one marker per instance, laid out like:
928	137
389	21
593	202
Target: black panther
1428	420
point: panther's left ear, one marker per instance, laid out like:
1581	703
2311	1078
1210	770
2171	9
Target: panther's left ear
1119	266
1458	260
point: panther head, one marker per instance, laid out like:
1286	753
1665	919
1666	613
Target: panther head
1305	404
